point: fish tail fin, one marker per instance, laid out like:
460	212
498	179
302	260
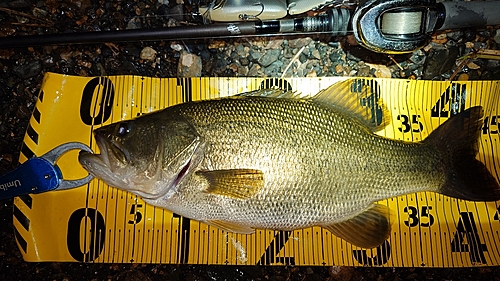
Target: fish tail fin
457	140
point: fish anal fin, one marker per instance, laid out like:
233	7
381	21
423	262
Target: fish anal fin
358	98
234	183
367	230
230	226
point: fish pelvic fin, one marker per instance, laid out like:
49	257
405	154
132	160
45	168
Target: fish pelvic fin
368	229
358	98
457	141
230	226
234	183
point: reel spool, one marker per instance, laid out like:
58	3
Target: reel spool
396	26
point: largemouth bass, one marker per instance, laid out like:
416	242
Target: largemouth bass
284	163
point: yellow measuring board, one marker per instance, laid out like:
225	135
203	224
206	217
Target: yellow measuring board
98	223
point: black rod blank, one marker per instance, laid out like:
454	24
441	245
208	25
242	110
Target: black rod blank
129	35
335	21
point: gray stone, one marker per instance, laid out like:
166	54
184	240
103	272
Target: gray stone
26	71
129	68
255	56
47	61
240	50
334	44
269	57
273	70
244	61
177	12
299	42
418	57
335	57
220	63
255	71
439	61
189	65
148	54
364	71
302	58
134	23
315	54
288	53
205	55
132	50
455	35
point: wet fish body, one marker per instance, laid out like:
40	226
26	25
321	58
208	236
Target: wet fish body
253	162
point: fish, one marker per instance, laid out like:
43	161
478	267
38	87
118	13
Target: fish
271	159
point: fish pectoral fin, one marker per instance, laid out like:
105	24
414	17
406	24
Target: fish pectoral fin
367	230
236	183
231	226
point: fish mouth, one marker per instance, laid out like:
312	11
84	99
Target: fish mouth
100	165
93	162
107	145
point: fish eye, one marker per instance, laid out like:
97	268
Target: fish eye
123	129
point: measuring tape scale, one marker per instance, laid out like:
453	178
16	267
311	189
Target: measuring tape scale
103	224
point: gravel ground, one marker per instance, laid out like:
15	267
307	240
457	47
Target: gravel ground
318	55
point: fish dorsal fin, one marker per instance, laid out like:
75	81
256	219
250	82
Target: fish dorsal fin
358	98
367	230
231	226
235	183
271	93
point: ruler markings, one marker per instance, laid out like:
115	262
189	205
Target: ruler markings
415	107
411	112
398	238
454	233
490	161
490	232
149	242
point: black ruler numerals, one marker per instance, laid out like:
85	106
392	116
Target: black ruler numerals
496	216
490	125
97	101
270	256
451	102
94	233
383	253
467	239
423	218
135	211
371	101
412	124
371	257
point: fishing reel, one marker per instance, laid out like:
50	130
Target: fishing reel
397	26
402	26
386	26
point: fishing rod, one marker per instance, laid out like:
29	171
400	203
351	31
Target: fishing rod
394	26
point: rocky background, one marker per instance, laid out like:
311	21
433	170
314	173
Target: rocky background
469	54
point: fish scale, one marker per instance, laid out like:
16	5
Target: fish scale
307	136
